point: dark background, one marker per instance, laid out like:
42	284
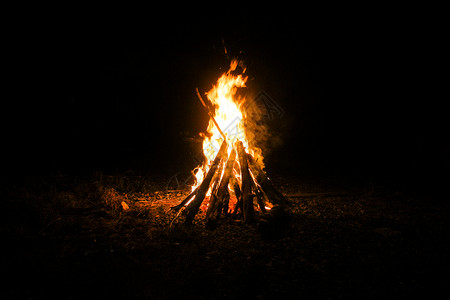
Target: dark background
106	95
93	93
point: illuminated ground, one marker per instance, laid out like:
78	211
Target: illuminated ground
68	237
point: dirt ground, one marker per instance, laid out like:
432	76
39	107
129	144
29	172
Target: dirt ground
70	237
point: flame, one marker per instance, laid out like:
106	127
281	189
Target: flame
228	115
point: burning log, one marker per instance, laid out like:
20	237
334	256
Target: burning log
260	198
221	196
220	177
217	177
226	201
186	200
213	200
237	192
274	196
247	198
211	115
229	180
194	205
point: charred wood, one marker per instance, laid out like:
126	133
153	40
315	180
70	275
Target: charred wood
186	200
195	204
237	192
247	199
260	198
221	195
274	196
213	205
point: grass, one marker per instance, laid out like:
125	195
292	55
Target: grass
70	237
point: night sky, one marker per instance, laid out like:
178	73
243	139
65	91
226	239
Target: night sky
111	97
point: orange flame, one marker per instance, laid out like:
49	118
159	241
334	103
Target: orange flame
228	115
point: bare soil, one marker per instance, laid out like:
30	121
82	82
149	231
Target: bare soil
69	237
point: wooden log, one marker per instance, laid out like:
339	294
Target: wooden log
223	188
260	198
274	196
217	176
225	202
195	204
186	200
238	206
221	194
274	222
237	192
213	200
212	214
247	199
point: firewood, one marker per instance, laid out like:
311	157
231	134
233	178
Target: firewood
195	204
223	188
210	113
186	200
212	213
213	199
225	202
238	206
235	186
247	199
274	196
221	194
260	198
273	222
214	186
229	180
237	192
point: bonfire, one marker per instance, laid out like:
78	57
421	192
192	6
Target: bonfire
231	180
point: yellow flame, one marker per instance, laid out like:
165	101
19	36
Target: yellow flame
227	114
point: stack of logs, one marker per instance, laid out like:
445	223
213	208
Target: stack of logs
254	184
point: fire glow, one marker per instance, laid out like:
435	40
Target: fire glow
231	178
228	116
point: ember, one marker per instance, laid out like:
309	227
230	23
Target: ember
231	178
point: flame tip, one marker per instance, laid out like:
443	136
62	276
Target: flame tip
229	114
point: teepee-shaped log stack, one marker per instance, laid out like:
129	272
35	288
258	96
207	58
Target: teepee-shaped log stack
239	173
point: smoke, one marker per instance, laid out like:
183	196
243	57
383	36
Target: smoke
261	112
